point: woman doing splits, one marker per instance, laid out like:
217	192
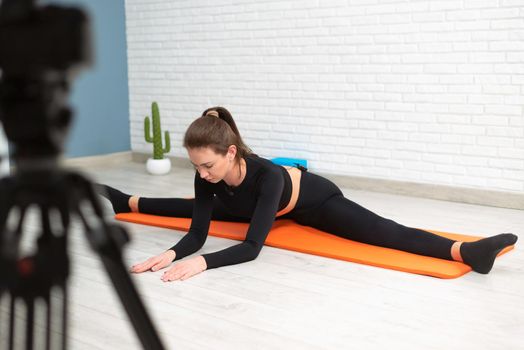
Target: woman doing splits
233	184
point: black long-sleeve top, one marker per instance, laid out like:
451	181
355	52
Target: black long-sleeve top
265	189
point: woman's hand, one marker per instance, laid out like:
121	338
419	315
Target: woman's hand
155	263
185	269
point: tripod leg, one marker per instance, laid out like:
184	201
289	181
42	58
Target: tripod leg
56	333
65	319
12	322
107	240
48	322
2	313
126	290
29	333
57	234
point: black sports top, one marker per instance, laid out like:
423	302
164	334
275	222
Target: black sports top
265	190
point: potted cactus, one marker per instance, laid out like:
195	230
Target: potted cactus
158	165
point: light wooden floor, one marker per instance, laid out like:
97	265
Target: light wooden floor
288	300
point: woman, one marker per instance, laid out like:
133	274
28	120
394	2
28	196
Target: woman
233	184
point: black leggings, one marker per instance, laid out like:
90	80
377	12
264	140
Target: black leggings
322	205
347	219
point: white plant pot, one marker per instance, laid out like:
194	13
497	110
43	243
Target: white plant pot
158	166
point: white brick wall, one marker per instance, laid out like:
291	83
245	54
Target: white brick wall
423	91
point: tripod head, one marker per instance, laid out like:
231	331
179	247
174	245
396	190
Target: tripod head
41	48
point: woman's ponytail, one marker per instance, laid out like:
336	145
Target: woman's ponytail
216	129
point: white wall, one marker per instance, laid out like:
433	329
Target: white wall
423	91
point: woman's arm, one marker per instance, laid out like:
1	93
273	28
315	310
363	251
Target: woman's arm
261	222
202	209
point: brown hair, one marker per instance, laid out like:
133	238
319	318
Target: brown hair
216	129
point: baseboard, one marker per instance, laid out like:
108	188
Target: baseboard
490	198
105	159
441	192
178	162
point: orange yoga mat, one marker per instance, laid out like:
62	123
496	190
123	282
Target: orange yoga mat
287	234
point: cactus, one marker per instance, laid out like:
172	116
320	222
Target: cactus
156	138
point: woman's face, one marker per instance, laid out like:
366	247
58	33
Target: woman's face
212	167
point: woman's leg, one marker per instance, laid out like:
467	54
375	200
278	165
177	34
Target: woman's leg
173	207
344	218
183	208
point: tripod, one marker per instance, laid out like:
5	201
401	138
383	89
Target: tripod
58	193
33	89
